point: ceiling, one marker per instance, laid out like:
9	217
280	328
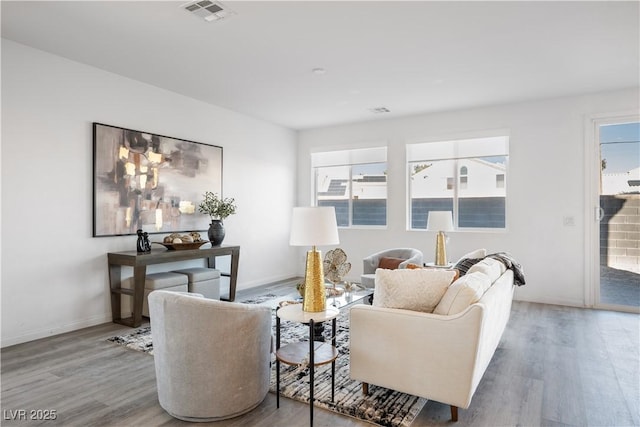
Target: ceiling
410	57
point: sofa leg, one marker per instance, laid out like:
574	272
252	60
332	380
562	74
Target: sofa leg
365	389
454	413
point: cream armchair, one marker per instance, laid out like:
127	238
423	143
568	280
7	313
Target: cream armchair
212	358
372	262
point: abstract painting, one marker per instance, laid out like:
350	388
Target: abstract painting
150	182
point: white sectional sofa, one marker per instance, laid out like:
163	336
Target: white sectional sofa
441	357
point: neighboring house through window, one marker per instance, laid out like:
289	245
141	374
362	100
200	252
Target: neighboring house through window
466	177
355	183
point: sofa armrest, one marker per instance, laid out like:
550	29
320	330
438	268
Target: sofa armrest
423	354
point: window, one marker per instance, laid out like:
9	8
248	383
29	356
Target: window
355	183
463	177
467	177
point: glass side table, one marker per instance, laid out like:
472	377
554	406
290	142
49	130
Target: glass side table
317	353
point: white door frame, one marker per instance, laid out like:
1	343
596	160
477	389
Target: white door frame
592	204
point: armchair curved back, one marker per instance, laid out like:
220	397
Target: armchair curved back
212	358
370	263
410	255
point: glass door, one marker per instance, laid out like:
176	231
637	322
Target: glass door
618	215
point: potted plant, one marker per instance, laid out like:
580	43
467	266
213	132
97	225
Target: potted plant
218	209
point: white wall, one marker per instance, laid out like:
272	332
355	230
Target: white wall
546	176
54	274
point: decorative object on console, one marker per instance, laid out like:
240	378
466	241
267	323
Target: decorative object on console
216	232
218	209
336	266
314	226
182	246
143	246
440	221
148	181
140	246
177	241
145	242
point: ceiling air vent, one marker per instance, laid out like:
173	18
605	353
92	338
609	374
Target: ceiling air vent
379	110
208	10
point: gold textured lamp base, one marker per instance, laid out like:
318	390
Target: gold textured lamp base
314	290
441	251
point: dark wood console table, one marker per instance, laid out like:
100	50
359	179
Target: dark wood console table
139	263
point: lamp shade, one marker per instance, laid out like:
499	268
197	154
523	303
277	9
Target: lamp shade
440	221
314	226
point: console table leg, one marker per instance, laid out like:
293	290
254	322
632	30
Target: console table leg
115	283
233	279
139	277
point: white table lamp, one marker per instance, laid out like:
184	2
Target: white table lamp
440	222
314	226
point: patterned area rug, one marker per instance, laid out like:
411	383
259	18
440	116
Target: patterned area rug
138	340
381	407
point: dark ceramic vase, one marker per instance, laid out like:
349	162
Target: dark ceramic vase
216	232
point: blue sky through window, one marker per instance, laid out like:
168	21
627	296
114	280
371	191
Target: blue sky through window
620	147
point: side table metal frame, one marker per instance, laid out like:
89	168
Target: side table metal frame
312	362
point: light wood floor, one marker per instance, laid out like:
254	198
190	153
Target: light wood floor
555	366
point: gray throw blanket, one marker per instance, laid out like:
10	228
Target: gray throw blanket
512	264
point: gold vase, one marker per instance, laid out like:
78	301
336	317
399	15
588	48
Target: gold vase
314	292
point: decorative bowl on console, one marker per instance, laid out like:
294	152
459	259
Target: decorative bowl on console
182	246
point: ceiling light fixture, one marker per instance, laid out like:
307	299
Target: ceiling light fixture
209	10
319	71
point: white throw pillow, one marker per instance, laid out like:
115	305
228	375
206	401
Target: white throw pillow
463	292
418	289
489	266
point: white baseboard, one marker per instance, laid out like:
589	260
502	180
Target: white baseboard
263	281
554	301
48	332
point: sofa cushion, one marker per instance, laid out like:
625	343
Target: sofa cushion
465	264
465	291
418	290
478	253
467	260
390	263
489	266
